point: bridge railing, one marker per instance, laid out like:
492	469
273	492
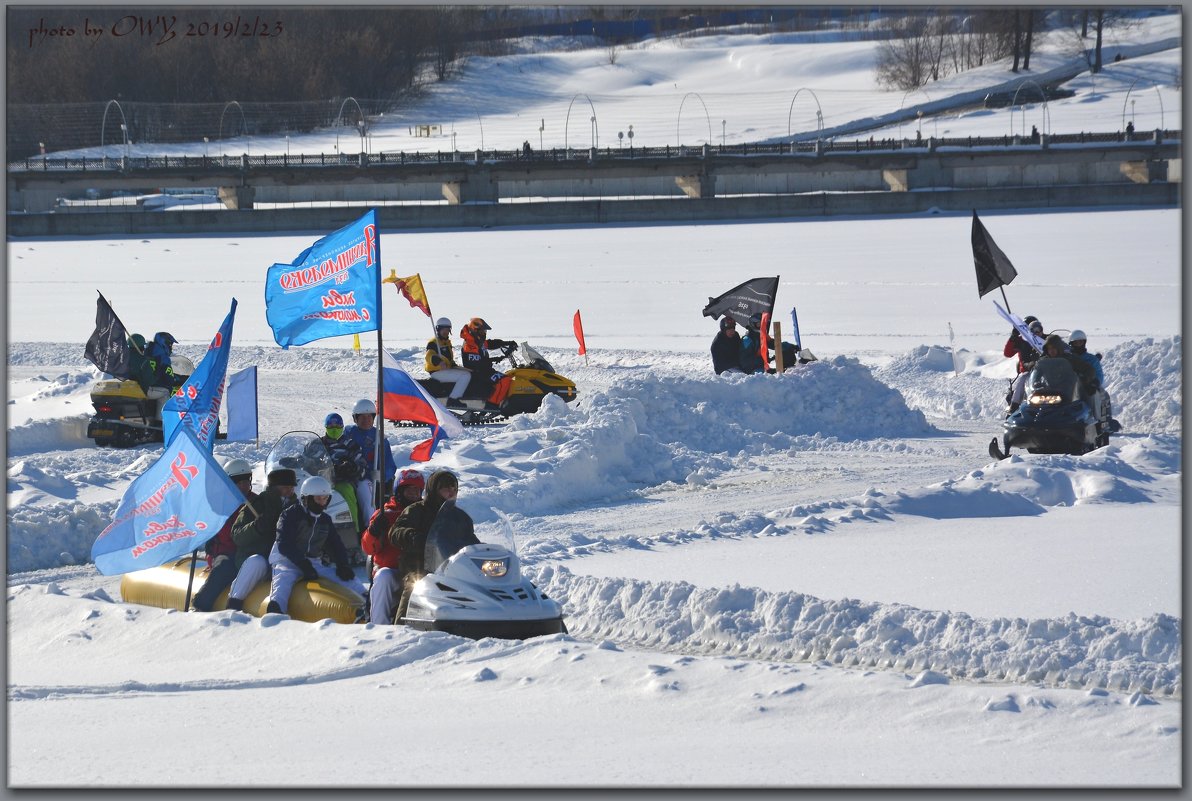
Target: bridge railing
809	147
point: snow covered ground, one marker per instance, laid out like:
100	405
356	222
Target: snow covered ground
818	579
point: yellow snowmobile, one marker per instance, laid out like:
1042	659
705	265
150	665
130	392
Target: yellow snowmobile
125	415
533	379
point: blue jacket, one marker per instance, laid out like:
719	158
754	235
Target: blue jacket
367	440
301	535
751	359
1096	363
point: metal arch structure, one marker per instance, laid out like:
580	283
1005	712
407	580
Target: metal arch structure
123	122
902	105
1046	111
1154	86
819	110
243	122
567	121
679	118
339	118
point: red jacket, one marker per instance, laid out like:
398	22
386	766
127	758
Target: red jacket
375	541
221	544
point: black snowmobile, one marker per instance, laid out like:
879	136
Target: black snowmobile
533	379
1054	416
125	415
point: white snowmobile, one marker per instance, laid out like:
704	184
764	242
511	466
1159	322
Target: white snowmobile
476	589
305	454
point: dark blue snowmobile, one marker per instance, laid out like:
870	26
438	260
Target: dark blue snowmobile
1054	416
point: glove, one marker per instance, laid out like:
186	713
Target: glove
344	572
345	470
309	573
435	360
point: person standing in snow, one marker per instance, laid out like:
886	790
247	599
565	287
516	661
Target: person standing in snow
305	532
221	549
441	366
1016	345
386	582
409	531
255	530
726	348
363	432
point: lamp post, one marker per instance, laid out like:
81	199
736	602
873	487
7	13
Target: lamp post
124	133
1131	111
620	139
360	126
723	123
631	137
595	141
205	141
287	145
541	128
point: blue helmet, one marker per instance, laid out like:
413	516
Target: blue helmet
333	419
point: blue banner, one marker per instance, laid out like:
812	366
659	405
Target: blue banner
331	289
196	403
174	507
242	405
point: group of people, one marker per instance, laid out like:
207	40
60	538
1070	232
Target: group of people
1086	365
475	371
149	362
733	353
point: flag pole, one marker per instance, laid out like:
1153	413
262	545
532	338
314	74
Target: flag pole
194	558
1002	287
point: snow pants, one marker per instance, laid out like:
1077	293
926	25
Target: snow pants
1018	389
286	574
383	598
365	490
223	572
457	377
254	570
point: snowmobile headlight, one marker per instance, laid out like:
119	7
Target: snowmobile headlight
1045	399
494	568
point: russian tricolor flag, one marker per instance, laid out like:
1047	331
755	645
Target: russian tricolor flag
405	399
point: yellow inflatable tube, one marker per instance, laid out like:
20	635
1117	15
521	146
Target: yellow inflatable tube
165	587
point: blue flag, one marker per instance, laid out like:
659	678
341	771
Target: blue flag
332	288
174	507
196	403
242	405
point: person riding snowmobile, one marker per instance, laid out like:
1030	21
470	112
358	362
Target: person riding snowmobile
347	463
440	364
363	432
158	352
1017	345
386	586
140	367
477	360
1053	348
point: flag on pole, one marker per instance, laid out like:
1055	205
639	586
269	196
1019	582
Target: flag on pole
195	404
330	289
763	340
242	405
755	296
411	287
578	325
795	323
108	348
1030	336
993	268
405	399
174	507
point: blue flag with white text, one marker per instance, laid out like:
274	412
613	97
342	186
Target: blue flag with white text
331	289
173	508
195	404
242	405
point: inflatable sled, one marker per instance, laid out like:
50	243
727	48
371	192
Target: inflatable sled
165	588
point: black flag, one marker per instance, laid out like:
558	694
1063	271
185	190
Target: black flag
755	296
993	268
108	347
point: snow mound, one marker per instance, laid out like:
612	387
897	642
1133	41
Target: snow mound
45	537
1144	381
1073	651
40	436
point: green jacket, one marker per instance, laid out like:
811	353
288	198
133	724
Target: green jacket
255	533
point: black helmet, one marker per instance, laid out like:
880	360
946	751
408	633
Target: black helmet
727	322
755	320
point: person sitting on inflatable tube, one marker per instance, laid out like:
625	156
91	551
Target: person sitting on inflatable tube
305	530
386	587
255	530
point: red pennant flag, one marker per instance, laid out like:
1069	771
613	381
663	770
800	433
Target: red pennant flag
764	340
579	333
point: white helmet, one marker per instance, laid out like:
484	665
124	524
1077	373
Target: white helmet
314	485
442	322
364	406
1077	336
237	468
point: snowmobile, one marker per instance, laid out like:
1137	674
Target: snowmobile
1054	416
125	415
476	589
305	454
533	379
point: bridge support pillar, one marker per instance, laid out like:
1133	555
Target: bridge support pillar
479	187
896	180
1145	172
237	198
697	186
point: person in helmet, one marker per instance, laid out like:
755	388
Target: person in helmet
386	585
751	349
221	549
440	364
305	532
1018	346
1054	348
726	348
1101	403
485	380
255	530
347	462
140	366
363	432
159	352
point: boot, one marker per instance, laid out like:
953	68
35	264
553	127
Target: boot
235	604
274	608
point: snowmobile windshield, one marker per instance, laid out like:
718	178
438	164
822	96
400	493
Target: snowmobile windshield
300	451
503	535
1053	374
448	534
182	365
533	358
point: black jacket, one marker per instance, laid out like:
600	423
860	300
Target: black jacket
726	352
